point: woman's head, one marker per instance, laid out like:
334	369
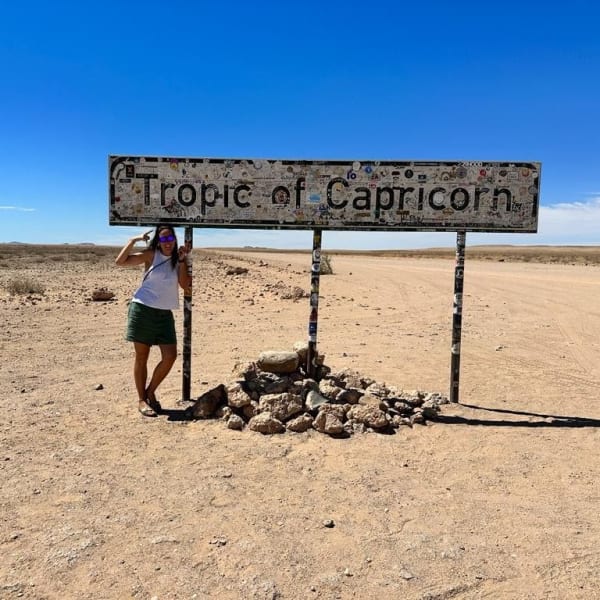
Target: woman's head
165	240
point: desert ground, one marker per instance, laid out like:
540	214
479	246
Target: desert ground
498	498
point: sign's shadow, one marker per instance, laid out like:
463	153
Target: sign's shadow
546	420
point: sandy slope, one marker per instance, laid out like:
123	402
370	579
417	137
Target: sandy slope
498	500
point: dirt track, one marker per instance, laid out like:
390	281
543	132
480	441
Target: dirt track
497	500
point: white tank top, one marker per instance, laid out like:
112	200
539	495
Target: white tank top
160	288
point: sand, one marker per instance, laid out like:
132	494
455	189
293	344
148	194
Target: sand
497	499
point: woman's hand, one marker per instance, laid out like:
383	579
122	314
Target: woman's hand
127	257
185	280
142	238
182	253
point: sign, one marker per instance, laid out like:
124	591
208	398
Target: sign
341	194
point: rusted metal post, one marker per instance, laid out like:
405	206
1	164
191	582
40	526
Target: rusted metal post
187	321
459	278
315	276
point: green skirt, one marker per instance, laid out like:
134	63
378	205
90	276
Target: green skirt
150	326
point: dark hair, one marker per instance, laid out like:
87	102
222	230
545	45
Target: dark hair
155	241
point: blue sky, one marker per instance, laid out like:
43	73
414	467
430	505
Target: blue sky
323	80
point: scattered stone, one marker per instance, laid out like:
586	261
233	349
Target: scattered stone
223	412
350	396
397	421
353	379
370	415
164	539
377	389
102	295
278	362
414	398
417	419
235	422
430	409
261	381
279	385
328	422
369	399
296	293
250	410
300	424
310	385
236	396
314	400
99	387
329	389
403	408
281	406
236	271
206	405
338	410
245	371
265	423
219	541
301	348
328	523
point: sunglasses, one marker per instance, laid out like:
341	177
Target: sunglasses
166	238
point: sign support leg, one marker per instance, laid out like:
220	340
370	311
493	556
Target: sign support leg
459	274
315	276
187	321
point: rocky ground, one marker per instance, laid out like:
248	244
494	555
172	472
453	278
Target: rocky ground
495	497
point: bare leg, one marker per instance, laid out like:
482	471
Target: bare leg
140	372
168	355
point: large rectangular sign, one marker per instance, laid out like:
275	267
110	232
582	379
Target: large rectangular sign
342	194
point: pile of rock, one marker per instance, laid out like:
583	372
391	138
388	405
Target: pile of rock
274	394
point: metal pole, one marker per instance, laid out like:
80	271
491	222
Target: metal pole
459	277
187	321
315	275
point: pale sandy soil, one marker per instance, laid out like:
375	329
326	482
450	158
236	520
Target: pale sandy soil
499	499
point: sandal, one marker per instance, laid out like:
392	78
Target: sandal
146	410
153	403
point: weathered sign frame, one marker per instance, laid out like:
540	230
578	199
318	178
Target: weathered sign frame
304	194
367	195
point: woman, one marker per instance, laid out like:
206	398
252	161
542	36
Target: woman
150	320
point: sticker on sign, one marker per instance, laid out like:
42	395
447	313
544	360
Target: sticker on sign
384	195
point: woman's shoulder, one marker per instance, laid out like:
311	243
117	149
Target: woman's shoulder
149	254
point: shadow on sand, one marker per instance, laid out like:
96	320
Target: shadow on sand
177	414
545	420
549	420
